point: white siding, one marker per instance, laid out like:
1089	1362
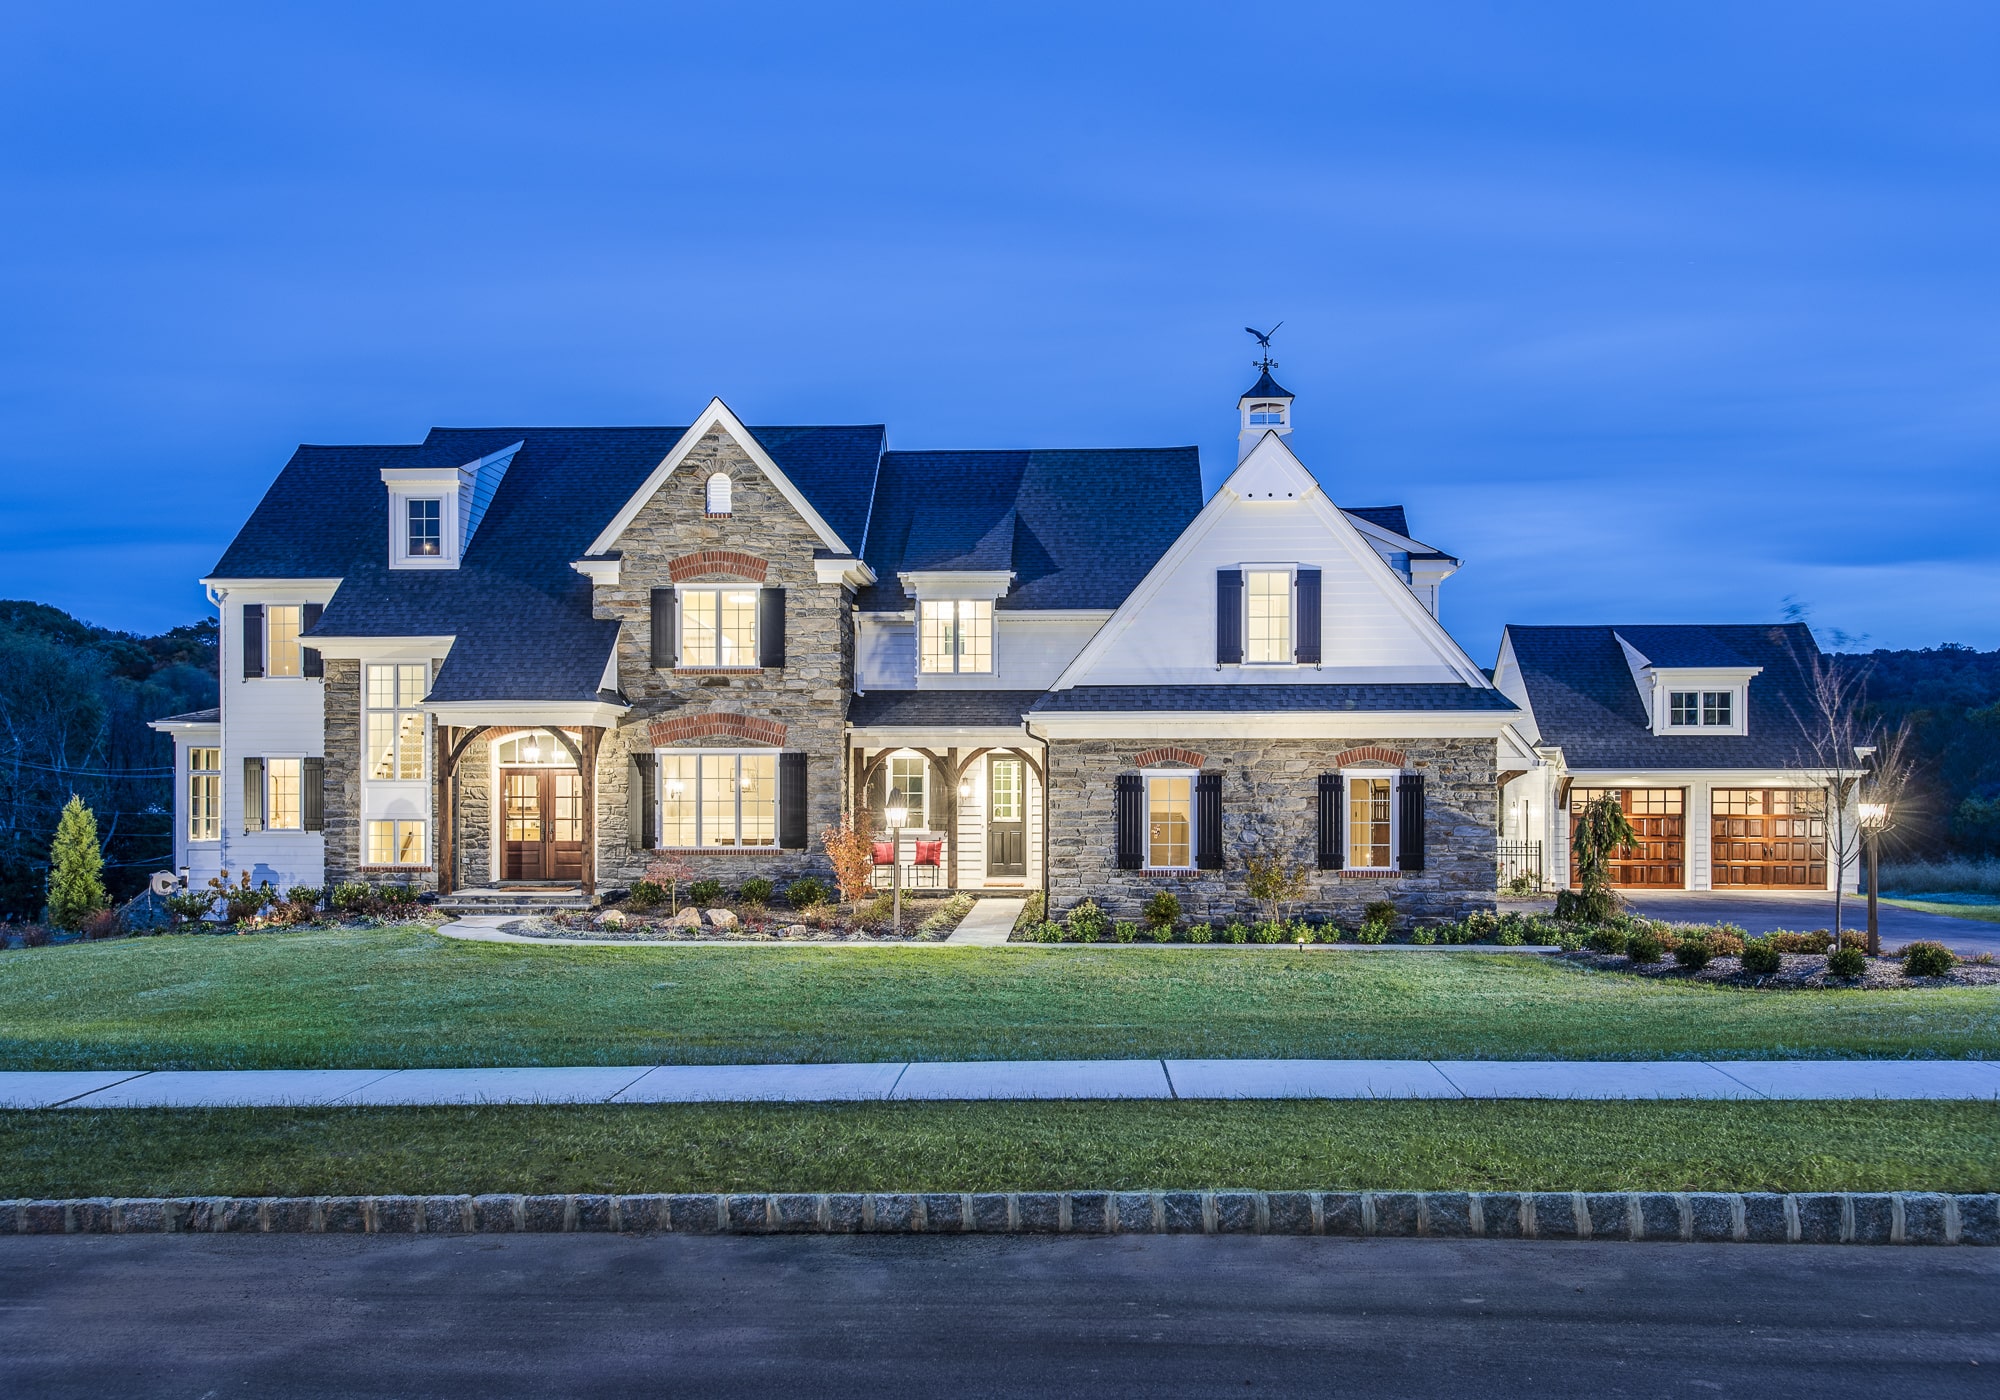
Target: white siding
274	717
1029	652
971	833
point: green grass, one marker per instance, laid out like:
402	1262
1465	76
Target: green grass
1007	1146
1987	913
407	997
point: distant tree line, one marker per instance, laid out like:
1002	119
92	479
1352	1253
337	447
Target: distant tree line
74	702
1950	695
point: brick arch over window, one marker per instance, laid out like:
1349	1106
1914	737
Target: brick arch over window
1152	758
664	732
717	561
1372	753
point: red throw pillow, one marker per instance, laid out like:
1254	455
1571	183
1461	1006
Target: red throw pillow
885	852
930	853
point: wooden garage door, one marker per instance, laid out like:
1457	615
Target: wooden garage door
1768	836
1659	815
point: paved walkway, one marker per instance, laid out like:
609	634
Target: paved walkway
989	923
1013	1079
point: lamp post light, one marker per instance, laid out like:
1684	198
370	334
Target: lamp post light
1874	816
896	814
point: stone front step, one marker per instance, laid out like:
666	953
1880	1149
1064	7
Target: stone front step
522	901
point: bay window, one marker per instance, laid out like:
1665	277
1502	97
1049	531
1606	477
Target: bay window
955	635
717	799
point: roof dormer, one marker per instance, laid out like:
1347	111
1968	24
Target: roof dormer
1265	408
433	511
1691	683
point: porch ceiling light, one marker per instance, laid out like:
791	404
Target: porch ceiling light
533	751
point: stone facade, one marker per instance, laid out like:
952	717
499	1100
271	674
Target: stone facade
673	540
1270	807
342	747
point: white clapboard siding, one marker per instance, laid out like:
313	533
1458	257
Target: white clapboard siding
266	717
1029	652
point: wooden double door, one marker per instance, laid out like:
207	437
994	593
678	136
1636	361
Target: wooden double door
541	824
1659	815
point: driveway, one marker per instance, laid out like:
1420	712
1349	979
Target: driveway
971	1317
1766	913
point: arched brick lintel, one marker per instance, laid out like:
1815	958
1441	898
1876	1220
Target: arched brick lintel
717	561
1153	757
1371	753
664	732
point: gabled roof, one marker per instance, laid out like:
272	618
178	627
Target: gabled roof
1077	527
959	709
1584	699
1390	518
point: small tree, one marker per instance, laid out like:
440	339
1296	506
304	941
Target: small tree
76	867
670	871
848	846
1602	829
1274	883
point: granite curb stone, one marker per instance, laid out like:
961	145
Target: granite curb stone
1824	1217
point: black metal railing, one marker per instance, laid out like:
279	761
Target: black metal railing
1520	865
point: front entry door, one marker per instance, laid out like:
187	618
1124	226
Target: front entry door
541	813
1006	818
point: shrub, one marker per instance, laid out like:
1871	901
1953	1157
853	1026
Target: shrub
399	898
1236	932
1043	932
1511	935
1643	946
703	893
1372	933
190	905
1379	911
1846	962
1087	923
1163	910
100	923
1586	906
645	895
352	897
1162	933
1927	959
756	890
1423	936
947	915
808	891
1126	933
878	910
1761	957
849	846
76	867
1331	933
1693	953
1274	882
1034	911
36	935
1606	938
1201	933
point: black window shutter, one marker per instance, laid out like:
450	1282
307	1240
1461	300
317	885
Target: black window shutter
309	660
312	794
1307	647
1208	820
639	801
1410	817
1131	821
771	628
253	792
792	800
1332	806
1229	617
663	628
253	640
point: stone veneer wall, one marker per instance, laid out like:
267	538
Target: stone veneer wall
342	747
1270	806
808	696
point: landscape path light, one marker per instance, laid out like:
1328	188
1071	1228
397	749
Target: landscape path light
897	814
1873	816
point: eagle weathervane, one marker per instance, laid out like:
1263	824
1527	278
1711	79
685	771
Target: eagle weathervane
1263	338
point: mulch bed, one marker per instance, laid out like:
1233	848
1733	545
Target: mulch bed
1798	972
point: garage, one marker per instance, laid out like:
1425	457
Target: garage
1659	815
1768	837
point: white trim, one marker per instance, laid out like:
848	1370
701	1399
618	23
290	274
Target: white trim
716	415
1395	778
466	714
303	585
909	736
1278	724
1193	778
852	572
602	573
383	648
956	585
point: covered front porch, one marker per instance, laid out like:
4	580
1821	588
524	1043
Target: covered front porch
973	807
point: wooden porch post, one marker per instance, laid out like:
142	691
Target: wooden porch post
445	854
591	735
951	761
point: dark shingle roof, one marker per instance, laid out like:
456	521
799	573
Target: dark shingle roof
1242	698
1265	388
958	709
210	716
1079	528
1388	517
1585	700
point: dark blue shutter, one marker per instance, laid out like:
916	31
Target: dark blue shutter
1410	820
1229	617
309	659
663	629
312	794
253	794
253	640
771	627
1332	806
1208	820
792	800
1131	822
1307	648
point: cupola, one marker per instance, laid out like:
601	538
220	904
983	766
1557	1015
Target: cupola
1266	408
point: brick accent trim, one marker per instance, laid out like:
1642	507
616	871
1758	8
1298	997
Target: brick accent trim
717	561
678	731
1152	757
1371	753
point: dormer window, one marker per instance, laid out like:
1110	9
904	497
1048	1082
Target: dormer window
426	528
955	635
1267	415
1701	709
718	494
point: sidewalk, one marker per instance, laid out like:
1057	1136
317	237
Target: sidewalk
1011	1079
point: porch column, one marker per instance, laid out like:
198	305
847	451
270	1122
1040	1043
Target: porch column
591	736
951	832
446	856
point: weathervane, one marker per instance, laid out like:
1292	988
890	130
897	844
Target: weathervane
1267	364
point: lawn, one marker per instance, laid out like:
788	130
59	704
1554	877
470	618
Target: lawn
1659	1146
1987	913
405	997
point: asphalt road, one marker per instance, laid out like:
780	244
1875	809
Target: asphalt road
555	1315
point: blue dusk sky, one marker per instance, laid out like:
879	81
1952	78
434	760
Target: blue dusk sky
1657	313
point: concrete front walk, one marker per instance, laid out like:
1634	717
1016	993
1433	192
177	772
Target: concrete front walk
989	923
1013	1079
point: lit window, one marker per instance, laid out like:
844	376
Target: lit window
718	494
955	635
1706	709
1268	598
718	799
204	794
395	724
719	627
1368	819
1267	415
426	521
908	779
281	800
1170	821
1684	707
535	748
395	843
1717	708
282	657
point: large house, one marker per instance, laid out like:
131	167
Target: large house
521	656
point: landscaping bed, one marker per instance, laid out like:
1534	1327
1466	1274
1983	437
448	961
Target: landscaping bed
1796	971
926	919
